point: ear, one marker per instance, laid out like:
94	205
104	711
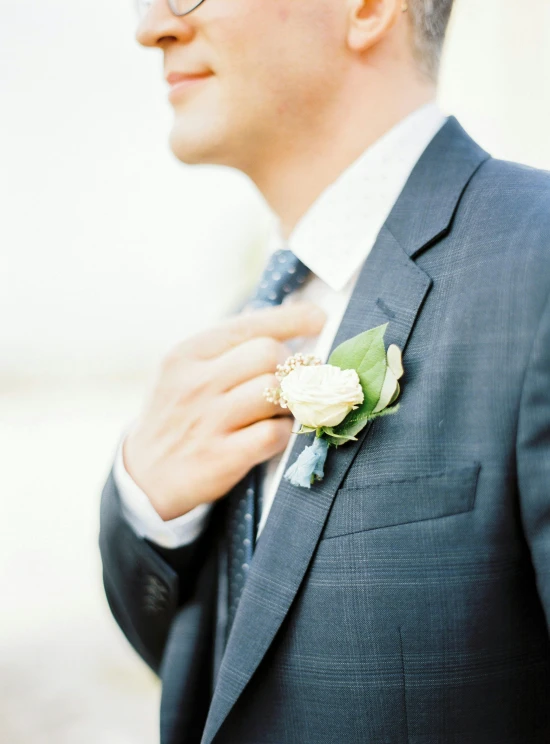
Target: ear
370	20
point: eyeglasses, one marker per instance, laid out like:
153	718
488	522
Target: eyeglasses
178	7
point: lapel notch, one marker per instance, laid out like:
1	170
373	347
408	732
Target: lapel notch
424	211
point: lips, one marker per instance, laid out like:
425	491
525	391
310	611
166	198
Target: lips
183	82
175	78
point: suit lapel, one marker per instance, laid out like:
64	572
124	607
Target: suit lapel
391	287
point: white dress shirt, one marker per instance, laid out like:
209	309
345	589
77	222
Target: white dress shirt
333	239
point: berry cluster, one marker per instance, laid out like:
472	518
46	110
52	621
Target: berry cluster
297	360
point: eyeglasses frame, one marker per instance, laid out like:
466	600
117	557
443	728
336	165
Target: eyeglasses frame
143	7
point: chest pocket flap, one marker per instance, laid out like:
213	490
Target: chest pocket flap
387	503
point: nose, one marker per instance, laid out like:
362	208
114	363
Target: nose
160	26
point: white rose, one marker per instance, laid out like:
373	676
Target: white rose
321	395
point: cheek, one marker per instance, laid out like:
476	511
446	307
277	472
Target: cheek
304	56
276	43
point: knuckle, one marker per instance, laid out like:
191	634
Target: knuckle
231	329
272	434
173	358
183	380
269	351
197	382
170	360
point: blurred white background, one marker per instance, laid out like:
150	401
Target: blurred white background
106	246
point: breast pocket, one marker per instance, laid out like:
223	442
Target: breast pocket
376	503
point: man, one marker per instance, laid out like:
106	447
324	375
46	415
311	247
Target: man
405	598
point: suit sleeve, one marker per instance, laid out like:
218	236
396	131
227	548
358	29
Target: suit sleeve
145	584
533	457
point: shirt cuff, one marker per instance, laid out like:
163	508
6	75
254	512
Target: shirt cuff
146	522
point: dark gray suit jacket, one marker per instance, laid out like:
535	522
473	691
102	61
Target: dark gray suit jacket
406	598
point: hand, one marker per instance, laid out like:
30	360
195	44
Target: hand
207	423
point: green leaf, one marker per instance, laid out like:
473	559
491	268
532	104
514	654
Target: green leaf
385	412
350	429
334	437
332	440
305	430
366	354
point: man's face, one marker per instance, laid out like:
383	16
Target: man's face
270	74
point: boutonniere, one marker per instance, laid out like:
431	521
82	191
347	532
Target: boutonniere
359	383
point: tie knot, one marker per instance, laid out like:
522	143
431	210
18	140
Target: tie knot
283	274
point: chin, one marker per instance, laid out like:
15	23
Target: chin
198	144
190	150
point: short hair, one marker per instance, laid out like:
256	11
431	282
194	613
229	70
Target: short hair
430	20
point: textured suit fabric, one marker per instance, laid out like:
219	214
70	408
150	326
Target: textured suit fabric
406	598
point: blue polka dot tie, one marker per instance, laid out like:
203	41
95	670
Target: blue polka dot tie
284	273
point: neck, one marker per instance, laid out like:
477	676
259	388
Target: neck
297	178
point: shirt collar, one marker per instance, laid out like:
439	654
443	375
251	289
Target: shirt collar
337	233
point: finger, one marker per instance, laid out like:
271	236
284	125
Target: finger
246	404
281	323
253	358
262	440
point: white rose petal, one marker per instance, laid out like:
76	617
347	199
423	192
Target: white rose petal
322	395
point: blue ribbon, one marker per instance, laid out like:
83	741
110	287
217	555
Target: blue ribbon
309	466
